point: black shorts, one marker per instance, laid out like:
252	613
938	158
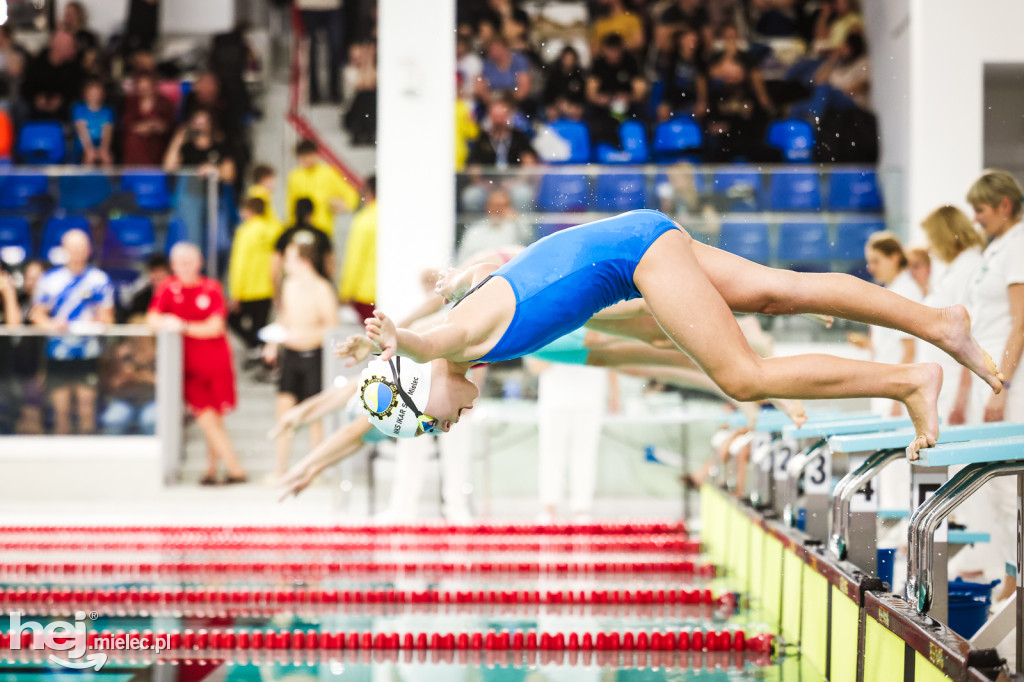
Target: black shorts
301	372
60	373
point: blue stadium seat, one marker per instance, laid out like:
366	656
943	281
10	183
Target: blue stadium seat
129	238
176	232
795	191
81	192
852	236
632	139
853	190
55	228
562	193
15	240
20	190
741	186
804	243
793	137
41	142
676	138
149	188
620	192
577	134
749	240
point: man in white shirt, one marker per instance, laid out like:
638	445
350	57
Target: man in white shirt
72	295
502	227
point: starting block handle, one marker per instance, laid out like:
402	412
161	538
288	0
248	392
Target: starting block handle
848	486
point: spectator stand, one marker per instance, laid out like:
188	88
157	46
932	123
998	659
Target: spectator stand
803	217
130	213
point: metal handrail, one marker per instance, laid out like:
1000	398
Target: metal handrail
790	487
839	538
107	330
927	517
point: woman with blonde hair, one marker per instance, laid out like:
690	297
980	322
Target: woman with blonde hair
953	239
995	296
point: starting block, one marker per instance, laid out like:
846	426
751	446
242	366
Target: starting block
985	459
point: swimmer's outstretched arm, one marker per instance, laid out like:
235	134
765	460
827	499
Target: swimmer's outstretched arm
443	341
314	408
343	443
429	306
453	284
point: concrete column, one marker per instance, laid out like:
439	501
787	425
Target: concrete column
415	146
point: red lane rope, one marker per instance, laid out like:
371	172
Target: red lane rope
312	640
333	569
146	599
678	660
486	529
245	545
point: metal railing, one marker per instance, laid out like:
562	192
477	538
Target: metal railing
129	212
101	381
777	214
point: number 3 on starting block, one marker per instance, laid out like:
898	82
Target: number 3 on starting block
818	474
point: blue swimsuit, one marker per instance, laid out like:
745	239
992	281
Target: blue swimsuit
561	281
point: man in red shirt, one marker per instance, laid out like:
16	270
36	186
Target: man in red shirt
194	305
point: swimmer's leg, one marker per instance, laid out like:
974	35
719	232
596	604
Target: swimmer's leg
642	328
616	353
704	327
749	287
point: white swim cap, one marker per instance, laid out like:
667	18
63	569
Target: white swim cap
393	393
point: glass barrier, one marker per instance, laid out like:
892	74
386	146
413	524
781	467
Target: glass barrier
114	381
129	212
809	217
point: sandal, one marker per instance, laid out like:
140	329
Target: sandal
229	479
209	479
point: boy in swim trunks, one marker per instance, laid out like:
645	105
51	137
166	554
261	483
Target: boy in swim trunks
560	282
308	308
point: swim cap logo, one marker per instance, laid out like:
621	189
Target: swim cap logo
379	396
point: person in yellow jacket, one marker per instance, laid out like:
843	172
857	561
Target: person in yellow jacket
358	286
330	193
250	287
264	178
466	132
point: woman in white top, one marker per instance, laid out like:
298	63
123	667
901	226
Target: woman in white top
954	241
887	264
995	300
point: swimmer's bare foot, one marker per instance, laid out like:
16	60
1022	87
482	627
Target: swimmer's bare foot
956	340
922	404
794	409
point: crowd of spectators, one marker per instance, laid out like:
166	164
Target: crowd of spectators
65	379
733	67
117	103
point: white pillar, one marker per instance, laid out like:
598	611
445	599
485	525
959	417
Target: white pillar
415	146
